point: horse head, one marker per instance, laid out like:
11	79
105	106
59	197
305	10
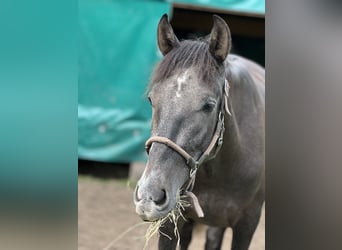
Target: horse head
186	93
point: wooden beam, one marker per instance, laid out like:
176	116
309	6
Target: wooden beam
195	18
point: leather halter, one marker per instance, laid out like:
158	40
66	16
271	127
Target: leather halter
209	153
216	141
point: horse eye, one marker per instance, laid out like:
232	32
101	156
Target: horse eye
149	99
209	106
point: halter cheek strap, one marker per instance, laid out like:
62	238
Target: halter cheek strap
209	153
226	96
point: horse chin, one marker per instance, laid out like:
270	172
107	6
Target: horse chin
152	216
147	211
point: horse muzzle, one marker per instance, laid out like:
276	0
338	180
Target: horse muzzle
151	205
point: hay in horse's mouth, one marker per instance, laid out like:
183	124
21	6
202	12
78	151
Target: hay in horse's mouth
173	216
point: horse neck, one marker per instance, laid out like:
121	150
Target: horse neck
244	105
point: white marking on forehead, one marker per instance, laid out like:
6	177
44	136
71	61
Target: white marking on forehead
181	80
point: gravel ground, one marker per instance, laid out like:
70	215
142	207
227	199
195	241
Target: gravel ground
106	210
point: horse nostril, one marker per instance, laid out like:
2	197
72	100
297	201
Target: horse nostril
161	198
157	196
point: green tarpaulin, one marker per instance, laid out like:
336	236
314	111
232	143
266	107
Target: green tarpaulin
248	6
117	51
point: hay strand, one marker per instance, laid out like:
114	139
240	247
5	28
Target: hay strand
173	216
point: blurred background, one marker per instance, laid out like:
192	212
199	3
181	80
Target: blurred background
41	49
117	53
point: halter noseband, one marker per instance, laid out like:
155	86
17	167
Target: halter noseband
217	141
208	154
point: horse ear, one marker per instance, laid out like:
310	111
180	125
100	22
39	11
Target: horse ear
220	40
167	39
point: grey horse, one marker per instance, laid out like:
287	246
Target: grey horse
208	139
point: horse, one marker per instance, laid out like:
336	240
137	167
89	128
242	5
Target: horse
207	139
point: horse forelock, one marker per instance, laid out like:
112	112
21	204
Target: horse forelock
193	54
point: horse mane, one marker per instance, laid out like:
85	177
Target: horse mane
189	53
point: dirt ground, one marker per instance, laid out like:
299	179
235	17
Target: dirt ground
106	211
